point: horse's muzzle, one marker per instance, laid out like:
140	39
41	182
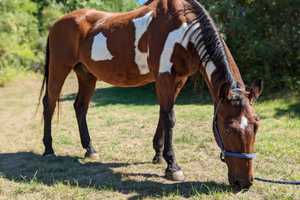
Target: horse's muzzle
241	184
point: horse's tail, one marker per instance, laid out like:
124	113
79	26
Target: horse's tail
46	75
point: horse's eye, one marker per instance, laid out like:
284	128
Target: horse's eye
257	118
231	130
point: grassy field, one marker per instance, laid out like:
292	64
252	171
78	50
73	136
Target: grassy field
122	123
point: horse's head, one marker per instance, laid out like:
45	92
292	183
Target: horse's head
235	128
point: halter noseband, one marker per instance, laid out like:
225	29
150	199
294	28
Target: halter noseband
220	142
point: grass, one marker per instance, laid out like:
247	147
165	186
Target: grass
122	123
8	74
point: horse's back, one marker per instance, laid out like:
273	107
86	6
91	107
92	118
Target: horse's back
122	49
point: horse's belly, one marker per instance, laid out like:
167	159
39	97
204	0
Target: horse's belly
133	82
122	75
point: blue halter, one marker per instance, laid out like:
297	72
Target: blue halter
220	142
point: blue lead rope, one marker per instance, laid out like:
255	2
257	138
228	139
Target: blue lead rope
282	182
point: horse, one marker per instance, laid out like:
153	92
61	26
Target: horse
165	42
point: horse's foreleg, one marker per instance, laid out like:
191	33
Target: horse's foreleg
158	139
158	143
86	83
173	171
167	87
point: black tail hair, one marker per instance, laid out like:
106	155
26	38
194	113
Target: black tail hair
46	75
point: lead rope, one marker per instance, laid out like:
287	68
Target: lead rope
282	182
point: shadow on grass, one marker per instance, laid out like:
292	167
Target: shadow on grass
138	96
293	110
27	167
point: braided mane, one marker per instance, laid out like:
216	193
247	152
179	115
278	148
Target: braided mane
205	36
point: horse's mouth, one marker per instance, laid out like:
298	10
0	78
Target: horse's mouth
240	186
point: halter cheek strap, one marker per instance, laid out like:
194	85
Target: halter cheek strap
220	142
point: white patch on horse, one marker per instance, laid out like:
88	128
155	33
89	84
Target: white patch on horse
188	37
195	38
141	25
202	51
173	38
244	122
210	68
99	48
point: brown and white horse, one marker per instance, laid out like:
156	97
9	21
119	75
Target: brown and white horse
163	41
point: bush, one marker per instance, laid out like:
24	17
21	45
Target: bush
24	28
18	33
264	37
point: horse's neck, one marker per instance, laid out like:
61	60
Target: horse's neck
216	76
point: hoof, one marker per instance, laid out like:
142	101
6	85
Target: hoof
93	156
157	160
175	176
49	155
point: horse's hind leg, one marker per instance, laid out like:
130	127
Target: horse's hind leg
86	84
57	76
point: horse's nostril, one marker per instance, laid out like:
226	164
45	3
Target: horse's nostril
237	186
237	183
245	185
240	185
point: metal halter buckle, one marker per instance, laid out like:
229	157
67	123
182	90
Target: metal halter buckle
222	156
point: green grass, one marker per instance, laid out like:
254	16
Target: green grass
8	74
122	123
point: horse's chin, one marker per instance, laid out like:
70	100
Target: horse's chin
239	185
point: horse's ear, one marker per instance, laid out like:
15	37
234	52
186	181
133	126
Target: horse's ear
224	91
255	90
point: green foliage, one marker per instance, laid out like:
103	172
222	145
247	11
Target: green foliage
264	38
24	28
7	74
18	33
263	35
108	5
